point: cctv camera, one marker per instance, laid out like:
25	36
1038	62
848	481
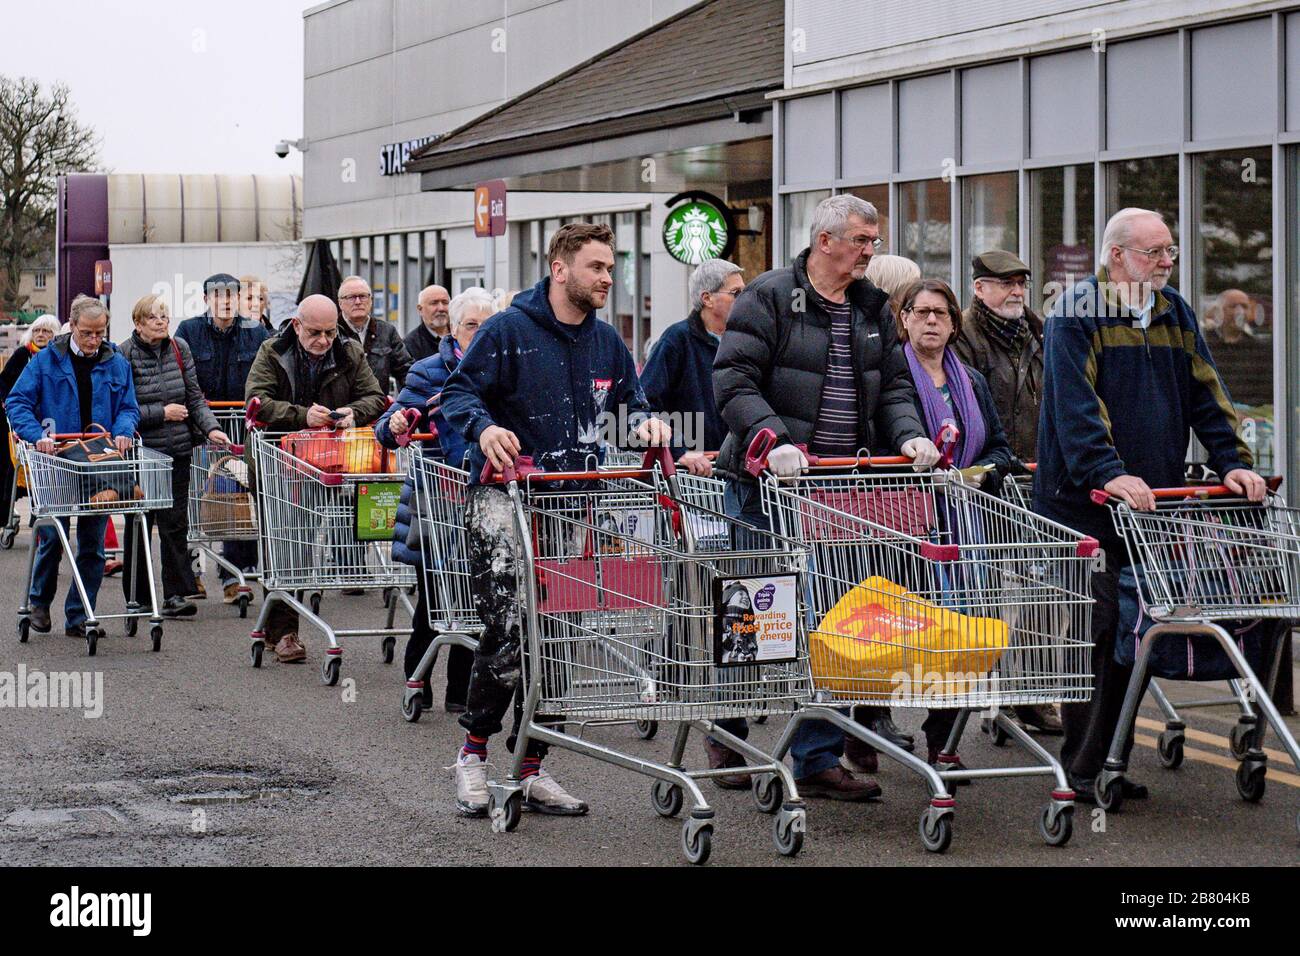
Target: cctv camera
282	148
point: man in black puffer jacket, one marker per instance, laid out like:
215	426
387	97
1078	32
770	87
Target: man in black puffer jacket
812	353
173	413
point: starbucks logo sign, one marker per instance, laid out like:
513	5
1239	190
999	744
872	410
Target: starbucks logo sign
698	229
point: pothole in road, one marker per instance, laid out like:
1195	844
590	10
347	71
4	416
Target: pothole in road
217	797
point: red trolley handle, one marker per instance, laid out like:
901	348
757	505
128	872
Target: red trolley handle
1100	497
523	468
765	441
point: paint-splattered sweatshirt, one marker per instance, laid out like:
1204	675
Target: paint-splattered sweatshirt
547	382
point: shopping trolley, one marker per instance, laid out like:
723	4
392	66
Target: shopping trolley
1019	488
626	617
439	508
18	480
311	539
221	506
926	592
1203	559
132	485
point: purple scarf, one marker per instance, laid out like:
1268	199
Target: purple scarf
970	419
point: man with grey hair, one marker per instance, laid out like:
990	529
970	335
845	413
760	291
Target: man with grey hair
378	338
678	378
812	354
1127	379
434	308
78	380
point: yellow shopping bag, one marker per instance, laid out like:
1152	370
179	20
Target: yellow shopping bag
882	642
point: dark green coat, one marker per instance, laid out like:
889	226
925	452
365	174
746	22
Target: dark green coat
349	383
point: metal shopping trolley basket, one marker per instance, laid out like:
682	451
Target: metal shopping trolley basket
1205	560
626	619
926	592
439	510
221	506
325	527
64	485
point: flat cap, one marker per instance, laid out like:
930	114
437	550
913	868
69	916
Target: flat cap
997	264
222	280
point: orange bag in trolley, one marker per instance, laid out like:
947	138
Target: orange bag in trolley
349	451
879	632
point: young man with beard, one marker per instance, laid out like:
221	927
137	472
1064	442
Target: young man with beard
535	381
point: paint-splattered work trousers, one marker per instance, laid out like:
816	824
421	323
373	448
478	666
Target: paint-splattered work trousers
494	680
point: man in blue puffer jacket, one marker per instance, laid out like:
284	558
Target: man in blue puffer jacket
423	393
79	380
541	379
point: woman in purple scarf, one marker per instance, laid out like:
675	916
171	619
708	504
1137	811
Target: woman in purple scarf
929	318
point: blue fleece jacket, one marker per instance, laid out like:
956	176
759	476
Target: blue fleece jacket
679	378
222	358
547	382
1119	399
423	382
47	392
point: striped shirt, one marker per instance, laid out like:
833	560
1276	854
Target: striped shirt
837	419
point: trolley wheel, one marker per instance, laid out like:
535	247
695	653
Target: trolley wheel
7	538
505	819
698	847
1239	740
1251	778
787	832
243	605
936	835
1111	796
666	798
155	635
255	653
387	647
315	602
1056	831
24	629
1170	749
412	707
767	792
132	626
646	729
329	670
92	640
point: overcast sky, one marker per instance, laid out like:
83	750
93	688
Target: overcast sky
170	86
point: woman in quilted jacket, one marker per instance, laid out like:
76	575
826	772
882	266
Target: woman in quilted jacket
174	416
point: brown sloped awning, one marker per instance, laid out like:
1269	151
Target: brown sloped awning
713	62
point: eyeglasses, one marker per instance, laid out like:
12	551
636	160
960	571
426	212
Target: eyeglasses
1020	283
924	313
731	292
860	241
1157	252
356	297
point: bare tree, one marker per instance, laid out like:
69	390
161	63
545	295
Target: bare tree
40	139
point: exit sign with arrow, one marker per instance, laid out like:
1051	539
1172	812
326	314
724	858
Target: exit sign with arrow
490	208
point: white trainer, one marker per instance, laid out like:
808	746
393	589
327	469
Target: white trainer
542	794
470	772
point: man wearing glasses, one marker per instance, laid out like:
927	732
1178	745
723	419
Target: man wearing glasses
43	402
1002	339
1127	379
378	338
309	376
812	353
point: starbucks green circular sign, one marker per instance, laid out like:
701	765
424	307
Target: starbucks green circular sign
697	230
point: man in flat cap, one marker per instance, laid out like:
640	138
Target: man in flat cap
1002	339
